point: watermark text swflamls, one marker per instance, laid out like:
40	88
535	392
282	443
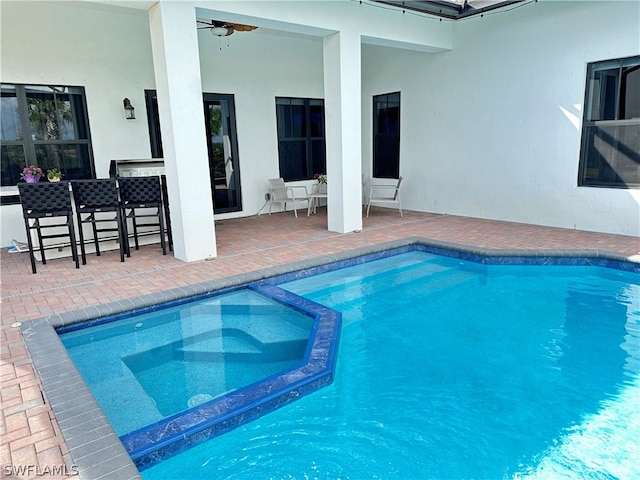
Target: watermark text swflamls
39	470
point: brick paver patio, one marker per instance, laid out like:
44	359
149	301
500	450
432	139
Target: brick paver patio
30	437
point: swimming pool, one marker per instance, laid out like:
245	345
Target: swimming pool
216	457
519	371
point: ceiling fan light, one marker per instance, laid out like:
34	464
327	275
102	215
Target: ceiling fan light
219	31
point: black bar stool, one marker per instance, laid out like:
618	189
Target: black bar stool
142	193
47	200
93	199
167	210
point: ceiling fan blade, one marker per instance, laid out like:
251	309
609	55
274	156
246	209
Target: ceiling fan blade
241	28
238	27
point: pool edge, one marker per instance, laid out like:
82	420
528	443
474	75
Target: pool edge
93	445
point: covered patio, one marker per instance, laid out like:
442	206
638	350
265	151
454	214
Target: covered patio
491	112
30	435
482	134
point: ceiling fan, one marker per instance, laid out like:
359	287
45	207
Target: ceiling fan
224	29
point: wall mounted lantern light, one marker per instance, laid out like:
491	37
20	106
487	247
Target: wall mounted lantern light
129	111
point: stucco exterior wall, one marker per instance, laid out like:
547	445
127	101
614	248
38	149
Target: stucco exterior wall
492	128
108	52
256	68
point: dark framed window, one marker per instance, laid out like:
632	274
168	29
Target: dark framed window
610	150
46	126
301	138
386	135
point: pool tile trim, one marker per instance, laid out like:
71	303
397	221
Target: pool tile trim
150	445
62	382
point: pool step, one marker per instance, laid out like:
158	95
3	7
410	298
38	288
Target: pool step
424	279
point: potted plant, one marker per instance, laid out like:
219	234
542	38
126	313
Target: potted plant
54	175
31	174
322	182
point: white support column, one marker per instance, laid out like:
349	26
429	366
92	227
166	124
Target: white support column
176	62
342	91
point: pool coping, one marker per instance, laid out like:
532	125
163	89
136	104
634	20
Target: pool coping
94	446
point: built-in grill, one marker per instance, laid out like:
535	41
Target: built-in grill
141	167
145	167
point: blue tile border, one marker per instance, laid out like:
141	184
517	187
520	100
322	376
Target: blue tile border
145	304
476	255
82	422
152	444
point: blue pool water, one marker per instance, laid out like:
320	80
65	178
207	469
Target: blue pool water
453	369
158	364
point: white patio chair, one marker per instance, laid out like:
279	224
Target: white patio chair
384	193
318	192
280	193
